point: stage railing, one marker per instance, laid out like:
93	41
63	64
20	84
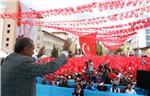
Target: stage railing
47	90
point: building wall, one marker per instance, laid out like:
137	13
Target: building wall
139	40
38	42
9	26
148	36
49	40
2	10
8	35
62	35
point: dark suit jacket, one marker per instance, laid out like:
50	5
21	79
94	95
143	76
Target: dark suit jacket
18	74
78	94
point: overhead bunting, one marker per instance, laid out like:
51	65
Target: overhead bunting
113	21
86	8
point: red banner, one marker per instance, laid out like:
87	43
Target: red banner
18	21
88	44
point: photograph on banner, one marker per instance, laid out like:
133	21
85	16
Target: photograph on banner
23	29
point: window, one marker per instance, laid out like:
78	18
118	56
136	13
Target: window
8	25
147	31
7	45
147	43
8	31
147	37
7	39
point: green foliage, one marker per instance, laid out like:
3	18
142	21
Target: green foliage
99	49
118	51
54	52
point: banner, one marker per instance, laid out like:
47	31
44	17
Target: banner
18	21
23	29
88	44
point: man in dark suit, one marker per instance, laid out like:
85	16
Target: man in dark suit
20	69
78	91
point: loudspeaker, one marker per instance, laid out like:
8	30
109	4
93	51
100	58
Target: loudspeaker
143	79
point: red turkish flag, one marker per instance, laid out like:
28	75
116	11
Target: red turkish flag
88	44
18	27
19	14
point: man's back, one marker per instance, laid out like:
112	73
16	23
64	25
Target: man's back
19	69
15	82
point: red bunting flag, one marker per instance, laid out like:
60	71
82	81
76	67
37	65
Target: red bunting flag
88	44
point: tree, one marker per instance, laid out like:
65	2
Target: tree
99	49
54	52
118	51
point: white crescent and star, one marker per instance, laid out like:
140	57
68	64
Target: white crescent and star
83	47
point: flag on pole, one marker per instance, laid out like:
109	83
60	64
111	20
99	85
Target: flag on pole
88	44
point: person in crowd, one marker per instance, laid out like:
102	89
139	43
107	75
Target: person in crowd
57	80
101	77
105	73
114	89
101	87
94	78
100	67
129	90
91	67
123	81
70	81
53	83
78	91
45	81
78	81
83	84
90	86
19	69
86	68
63	82
116	80
123	89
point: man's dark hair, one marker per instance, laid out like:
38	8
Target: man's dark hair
21	43
114	85
78	85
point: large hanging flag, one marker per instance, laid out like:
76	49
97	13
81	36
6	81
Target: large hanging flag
88	44
24	29
18	21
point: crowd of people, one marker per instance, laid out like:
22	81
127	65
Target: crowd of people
93	80
19	70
